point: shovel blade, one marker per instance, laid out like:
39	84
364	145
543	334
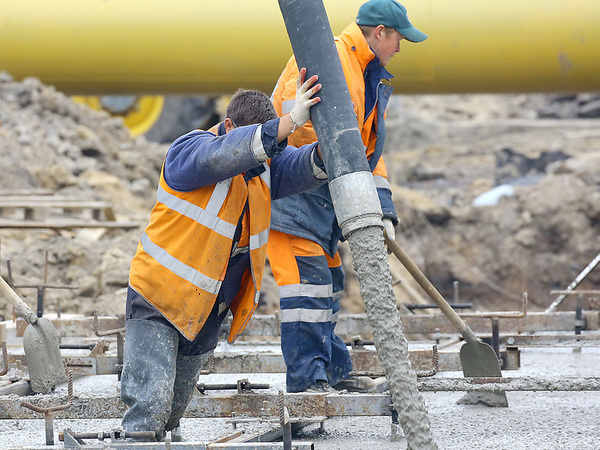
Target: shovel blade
44	361
478	359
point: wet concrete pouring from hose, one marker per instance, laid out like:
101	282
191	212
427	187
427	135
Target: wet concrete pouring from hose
370	263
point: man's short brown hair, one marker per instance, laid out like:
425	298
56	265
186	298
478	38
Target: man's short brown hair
368	30
248	107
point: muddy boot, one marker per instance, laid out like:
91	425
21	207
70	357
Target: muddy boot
356	384
320	387
188	370
148	375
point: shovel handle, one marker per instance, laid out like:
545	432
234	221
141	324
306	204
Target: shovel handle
22	309
430	289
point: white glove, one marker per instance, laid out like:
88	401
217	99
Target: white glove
300	114
388	226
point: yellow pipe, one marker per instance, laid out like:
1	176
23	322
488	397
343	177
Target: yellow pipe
97	47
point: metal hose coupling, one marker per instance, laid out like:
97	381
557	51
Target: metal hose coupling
364	210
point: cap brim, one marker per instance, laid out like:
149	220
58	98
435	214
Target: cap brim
412	34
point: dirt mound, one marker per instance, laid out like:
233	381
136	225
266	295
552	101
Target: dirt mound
511	199
442	152
48	141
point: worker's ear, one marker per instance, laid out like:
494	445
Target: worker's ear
228	124
379	32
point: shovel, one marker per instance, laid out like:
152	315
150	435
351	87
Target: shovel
40	343
477	358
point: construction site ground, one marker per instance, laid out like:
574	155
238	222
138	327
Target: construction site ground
497	195
533	420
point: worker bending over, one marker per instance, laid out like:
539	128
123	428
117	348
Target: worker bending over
203	252
304	238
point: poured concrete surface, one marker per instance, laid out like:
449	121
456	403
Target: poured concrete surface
533	420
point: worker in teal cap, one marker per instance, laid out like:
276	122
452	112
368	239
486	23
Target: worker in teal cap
304	235
390	14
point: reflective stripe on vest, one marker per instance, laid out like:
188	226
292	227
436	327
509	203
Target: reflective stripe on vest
208	216
188	273
258	240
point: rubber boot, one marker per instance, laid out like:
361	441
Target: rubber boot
187	372
148	375
356	384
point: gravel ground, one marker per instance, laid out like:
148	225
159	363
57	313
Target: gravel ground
533	420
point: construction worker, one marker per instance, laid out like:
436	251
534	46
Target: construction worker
204	250
302	248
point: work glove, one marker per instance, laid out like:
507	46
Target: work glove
390	231
389	228
300	114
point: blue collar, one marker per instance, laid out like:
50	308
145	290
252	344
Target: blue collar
373	74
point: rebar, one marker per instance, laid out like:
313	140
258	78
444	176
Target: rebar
435	358
284	421
495	384
211	364
4	359
48	417
104	333
502	314
436	365
412	306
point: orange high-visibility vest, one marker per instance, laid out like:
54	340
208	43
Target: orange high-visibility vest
182	256
355	54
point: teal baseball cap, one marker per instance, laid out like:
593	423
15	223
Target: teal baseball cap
390	14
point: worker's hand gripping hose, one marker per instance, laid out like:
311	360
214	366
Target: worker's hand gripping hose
300	114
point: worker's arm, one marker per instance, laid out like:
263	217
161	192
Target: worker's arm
296	170
201	158
299	169
284	97
284	100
